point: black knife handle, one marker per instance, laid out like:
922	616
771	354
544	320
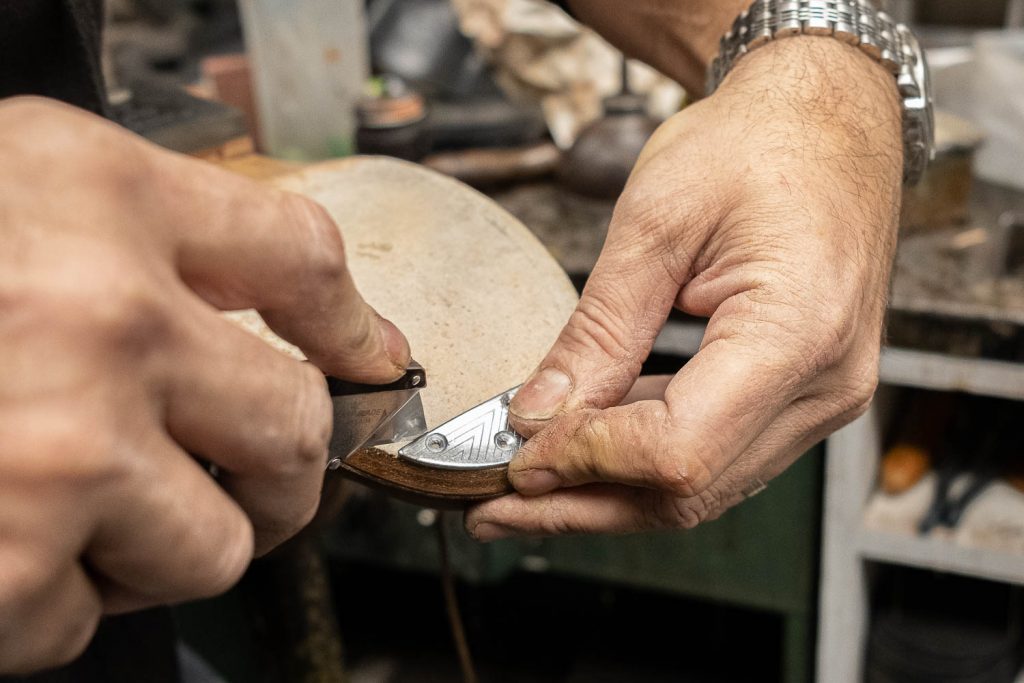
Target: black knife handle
415	377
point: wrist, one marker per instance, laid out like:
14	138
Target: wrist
833	90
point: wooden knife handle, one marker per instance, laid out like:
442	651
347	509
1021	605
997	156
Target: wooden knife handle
428	486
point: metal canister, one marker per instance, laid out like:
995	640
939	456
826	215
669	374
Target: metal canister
393	123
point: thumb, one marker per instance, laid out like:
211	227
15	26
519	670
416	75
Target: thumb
598	355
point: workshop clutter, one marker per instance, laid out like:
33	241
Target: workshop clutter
951	472
954	467
309	63
999	105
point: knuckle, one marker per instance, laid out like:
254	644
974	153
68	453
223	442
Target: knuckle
307	430
314	419
647	210
831	334
327	262
650	213
639	210
710	503
322	242
688	475
672	475
858	388
221	570
810	335
668	512
40	452
865	375
593	452
557	527
23	577
362	340
99	300
132	175
654	512
595	324
128	319
689	513
559	519
104	304
595	435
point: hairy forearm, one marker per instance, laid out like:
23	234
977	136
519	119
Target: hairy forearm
677	37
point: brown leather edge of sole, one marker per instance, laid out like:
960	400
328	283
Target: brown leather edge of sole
428	486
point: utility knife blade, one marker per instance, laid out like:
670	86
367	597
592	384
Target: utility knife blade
368	415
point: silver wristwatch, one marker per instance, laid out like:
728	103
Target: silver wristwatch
855	22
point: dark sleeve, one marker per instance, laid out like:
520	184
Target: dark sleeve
52	48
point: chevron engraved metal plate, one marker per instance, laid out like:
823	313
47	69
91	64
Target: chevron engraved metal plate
478	438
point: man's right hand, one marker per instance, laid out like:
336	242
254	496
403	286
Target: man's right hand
116	369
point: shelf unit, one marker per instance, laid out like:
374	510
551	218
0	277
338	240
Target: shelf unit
862	526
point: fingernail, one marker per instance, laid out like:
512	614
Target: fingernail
542	396
485	532
395	344
534	482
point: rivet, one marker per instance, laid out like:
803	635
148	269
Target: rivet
436	443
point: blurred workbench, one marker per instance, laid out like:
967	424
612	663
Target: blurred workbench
958	289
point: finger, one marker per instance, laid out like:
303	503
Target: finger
263	418
47	615
592	509
614	508
597	508
715	407
240	244
598	355
169	534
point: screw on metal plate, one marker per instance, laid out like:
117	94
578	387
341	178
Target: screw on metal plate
505	439
436	443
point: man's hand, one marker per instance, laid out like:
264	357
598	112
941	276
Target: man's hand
770	207
115	369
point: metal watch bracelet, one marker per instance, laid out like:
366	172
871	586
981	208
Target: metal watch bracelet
855	22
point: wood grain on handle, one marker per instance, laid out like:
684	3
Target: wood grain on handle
428	486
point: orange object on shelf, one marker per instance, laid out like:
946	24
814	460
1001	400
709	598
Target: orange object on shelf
904	465
918	435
